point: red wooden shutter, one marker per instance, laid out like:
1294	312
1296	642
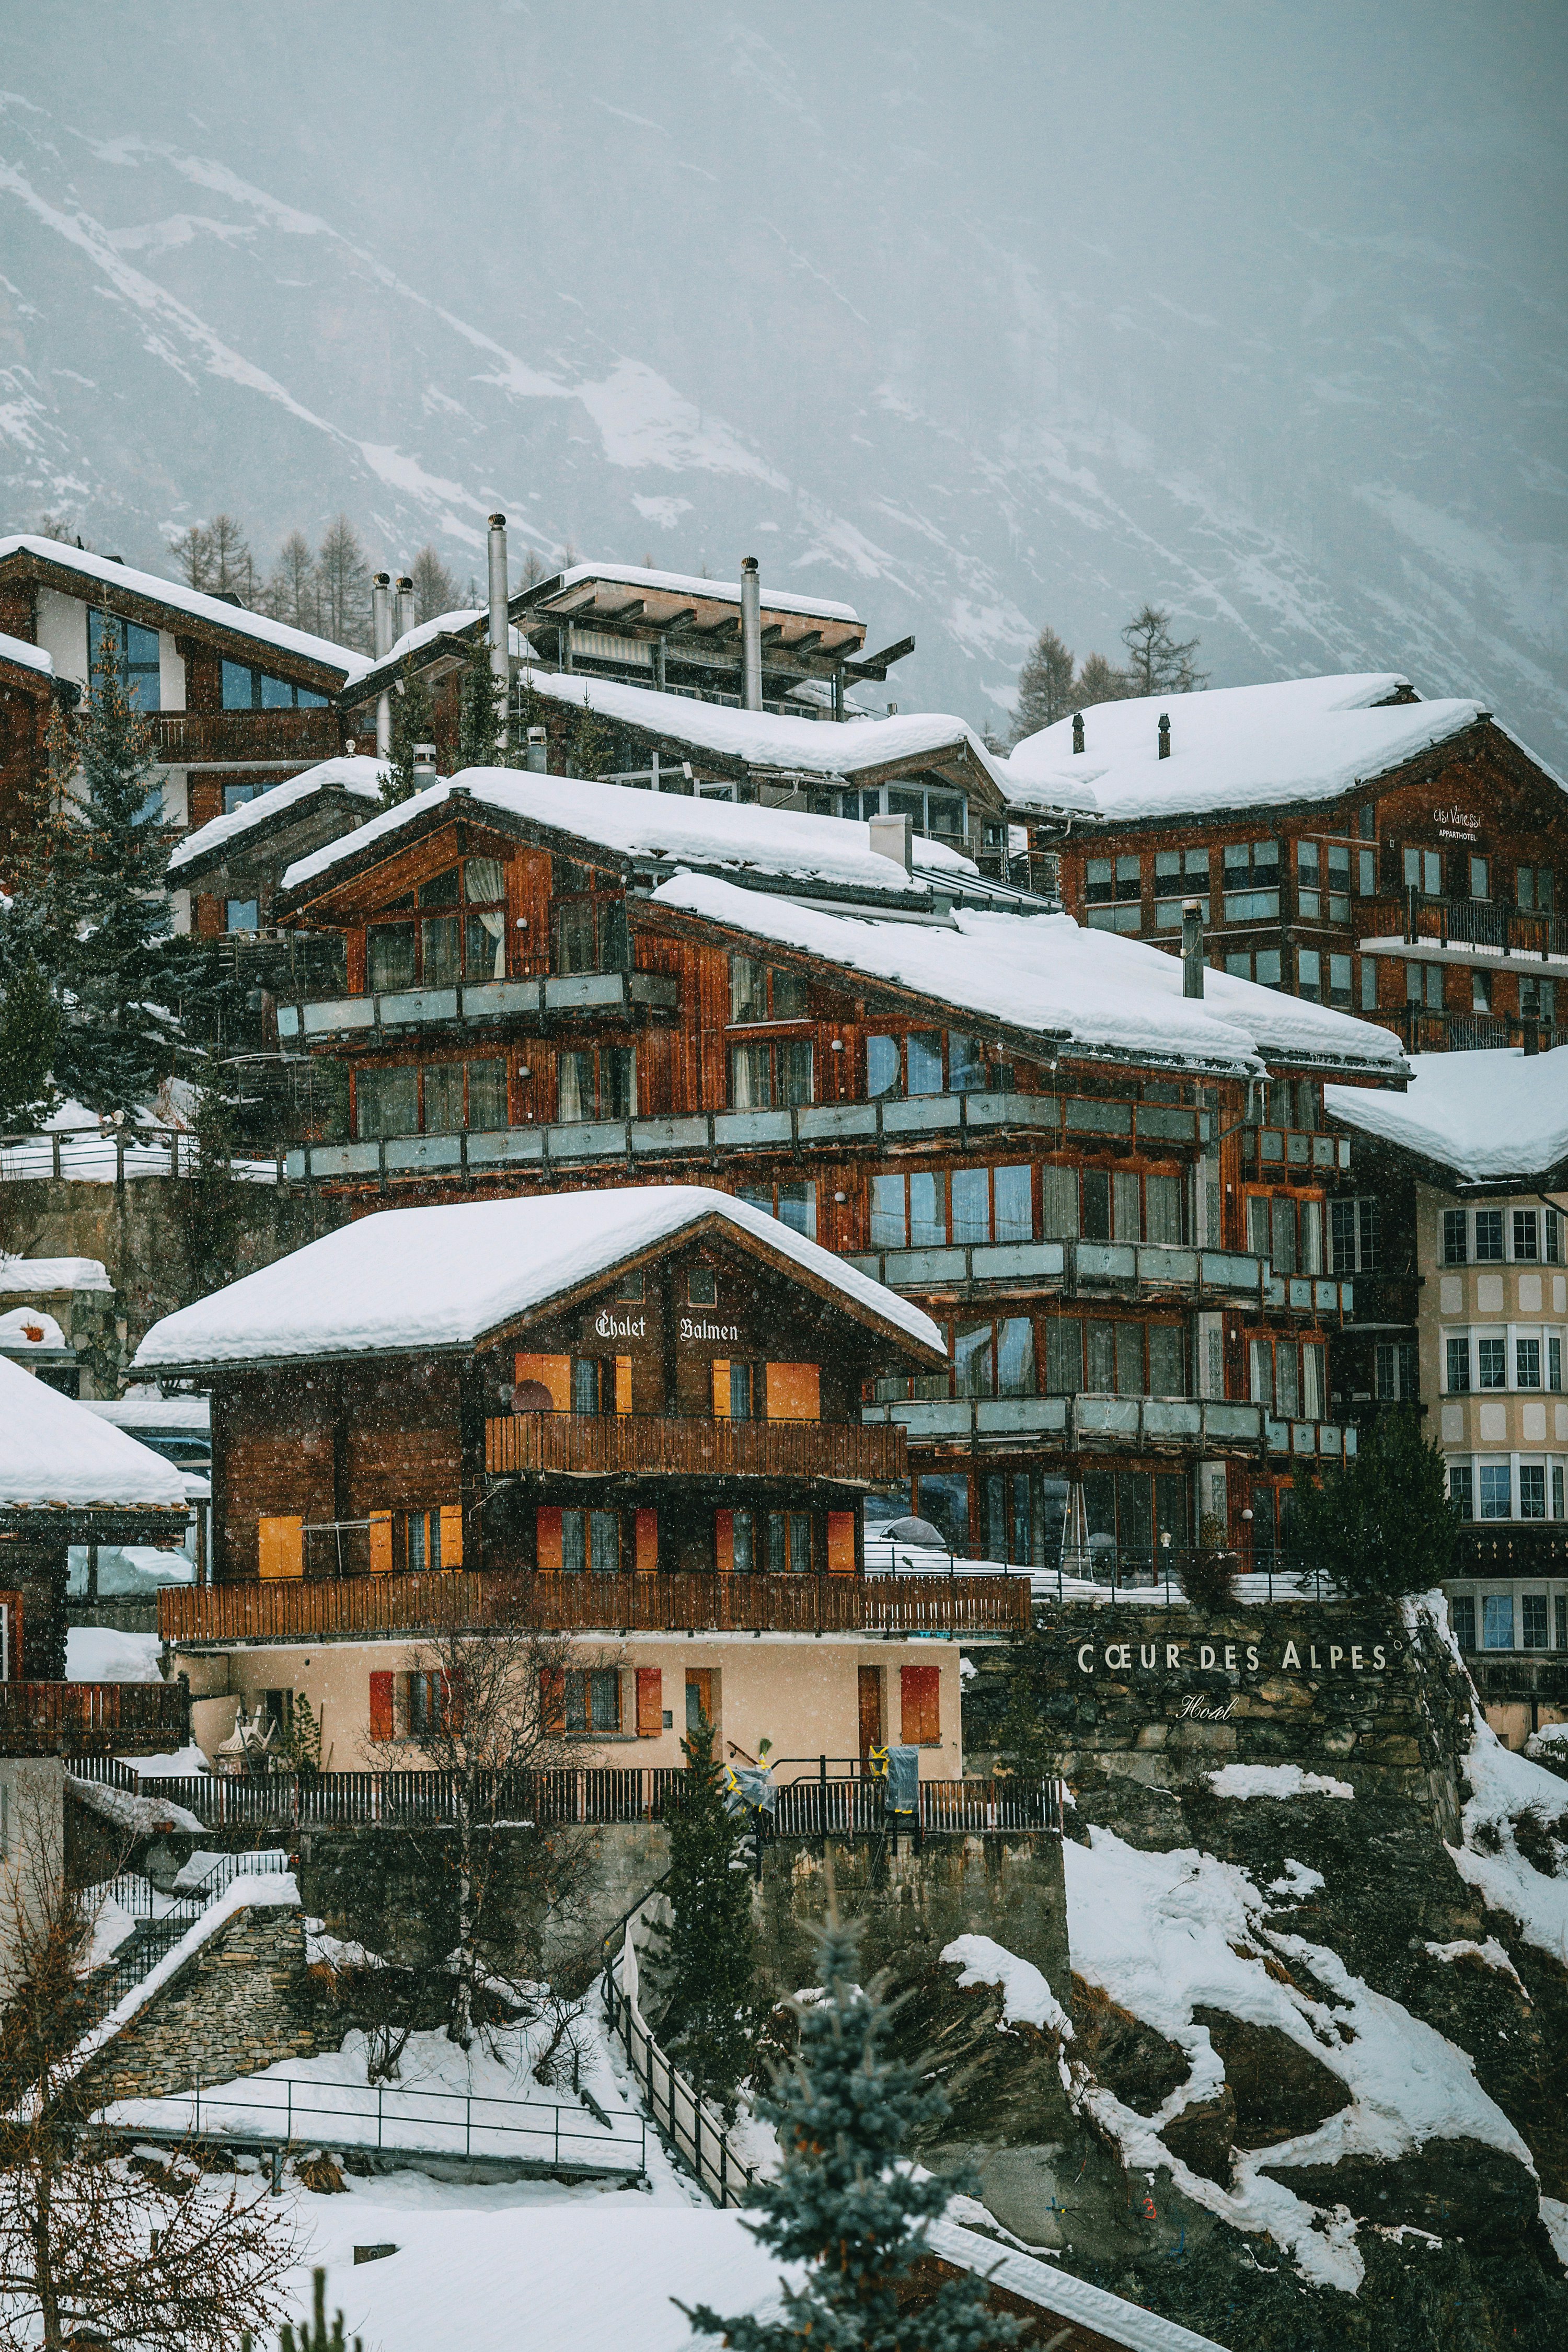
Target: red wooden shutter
921	1709
381	1706
841	1543
647	1542
553	1698
549	1536
724	1541
650	1702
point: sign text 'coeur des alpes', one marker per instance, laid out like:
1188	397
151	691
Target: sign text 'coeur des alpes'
1290	1657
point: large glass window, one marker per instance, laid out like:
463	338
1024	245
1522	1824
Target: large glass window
138	651
386	1102
1453	1250
761	991
883	1068
1180	875
1497	1619
596	1082
1489	1236
1462	1611
924	1050
1462	1491
793	1205
777	1077
1494	1485
1251	881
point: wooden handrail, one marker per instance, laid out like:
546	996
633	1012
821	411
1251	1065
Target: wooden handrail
473	1599
656	1446
46	1717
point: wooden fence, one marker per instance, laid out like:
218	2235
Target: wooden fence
651	1445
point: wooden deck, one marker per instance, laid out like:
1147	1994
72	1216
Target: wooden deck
92	1719
635	1446
377	1605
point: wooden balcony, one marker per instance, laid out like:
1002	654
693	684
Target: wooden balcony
632	1446
361	1606
92	1719
196	737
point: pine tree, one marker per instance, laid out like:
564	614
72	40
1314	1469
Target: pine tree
705	1964
435	590
209	1200
846	2203
342	586
1098	681
1044	686
411	725
481	711
1383	1524
29	1030
1158	663
316	2338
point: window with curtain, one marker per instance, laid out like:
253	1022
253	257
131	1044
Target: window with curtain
386	1102
1162	1208
1059	1203
771	1078
484	945
884	1073
1167	1364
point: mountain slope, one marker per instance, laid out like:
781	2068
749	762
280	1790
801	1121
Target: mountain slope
980	323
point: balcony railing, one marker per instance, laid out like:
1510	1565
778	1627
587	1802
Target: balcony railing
848	1127
92	1719
1423	1032
1277	1150
1077	1269
1468	926
357	1607
634	1445
195	737
1128	1423
614	996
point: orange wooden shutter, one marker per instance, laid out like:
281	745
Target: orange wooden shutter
553	1698
650	1702
724	1541
920	1708
548	1527
381	1542
623	1384
451	1534
552	1372
841	1543
647	1542
381	1706
794	1393
280	1546
720	1388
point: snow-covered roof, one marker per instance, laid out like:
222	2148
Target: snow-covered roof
1305	739
54	1456
1082	991
672	827
109	574
685	583
27	656
374	675
1500	1113
141	1407
1058	2291
446	1278
356	776
19	1274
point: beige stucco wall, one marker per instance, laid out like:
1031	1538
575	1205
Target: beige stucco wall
1501	1301
800	1693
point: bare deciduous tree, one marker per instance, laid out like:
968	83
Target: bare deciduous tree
435	590
1099	681
1158	663
342	586
91	2250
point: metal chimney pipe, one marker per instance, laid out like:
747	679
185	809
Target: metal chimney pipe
405	605
424	764
500	626
381	645
1192	947
1164	735
537	754
1077	731
750	634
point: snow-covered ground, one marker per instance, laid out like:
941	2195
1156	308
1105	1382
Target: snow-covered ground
101	1654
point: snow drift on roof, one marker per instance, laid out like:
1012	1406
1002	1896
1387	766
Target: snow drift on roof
444	1277
110	575
681	583
18	649
1498	1113
141	1407
674	825
55	1455
28	1274
1087	991
360	776
1304	738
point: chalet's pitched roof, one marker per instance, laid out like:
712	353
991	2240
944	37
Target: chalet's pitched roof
26	656
356	778
685	583
91	570
433	1278
1500	1114
56	1457
1085	993
1301	739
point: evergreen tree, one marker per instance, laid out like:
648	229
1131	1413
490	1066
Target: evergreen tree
435	590
589	743
1044	686
209	1200
480	711
1383	1524
411	725
705	1964
29	1030
1098	681
846	2202
1158	663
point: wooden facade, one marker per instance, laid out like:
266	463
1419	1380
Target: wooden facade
1431	898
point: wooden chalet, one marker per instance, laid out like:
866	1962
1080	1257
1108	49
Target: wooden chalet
1347	843
628	1414
1110	1196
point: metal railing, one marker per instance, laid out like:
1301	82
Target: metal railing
101	1154
614	995
1076	1268
157	1932
656	1445
695	2133
1489	925
1089	1421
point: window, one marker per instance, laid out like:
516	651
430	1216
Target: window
1064	1356
1480	878
919	1690
1251	881
1553	1224
1114	889
789	1543
1366	873
1491	1363
1532	1610
1494	1482
1454	1250
1526	1237
1481	992
1527	1363
241	915
392	955
736	1390
1489	1236
1393	1370
923	1053
993	1359
593	1699
596	1082
432	1538
1353	1235
386	1102
574	1541
761	992
1462	1489
1497	1620
1456	1350
245	688
1424	985
965	1063
1532	1493
1462	1611
460	932
1538	1000
1534	890
138	651
883	1068
1267	967
1180	875
427	1702
1555	1364
771	1078
236	795
701	1286
1340	991
1167	1365
1308	877
1308	973
1423	872
793	1205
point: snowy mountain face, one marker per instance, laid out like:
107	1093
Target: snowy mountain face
980	318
